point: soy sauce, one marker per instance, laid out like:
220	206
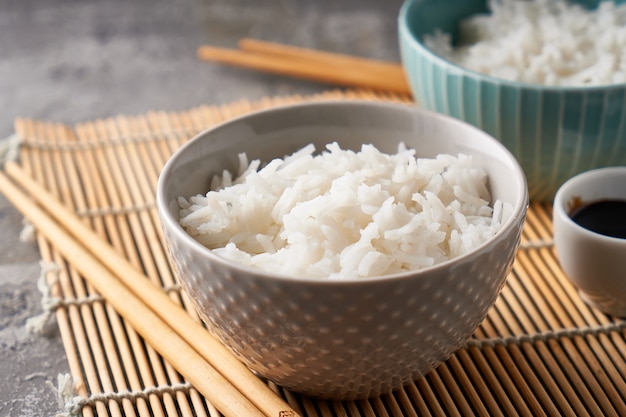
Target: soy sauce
607	217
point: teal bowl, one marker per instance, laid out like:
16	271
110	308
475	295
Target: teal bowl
554	132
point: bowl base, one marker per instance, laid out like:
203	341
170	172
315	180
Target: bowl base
608	305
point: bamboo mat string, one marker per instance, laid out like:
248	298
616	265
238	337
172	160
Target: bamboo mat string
48	278
37	142
123	210
79	403
9	149
603	329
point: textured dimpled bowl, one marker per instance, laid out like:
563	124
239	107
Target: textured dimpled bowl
554	132
341	339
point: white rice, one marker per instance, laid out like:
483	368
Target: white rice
345	214
550	42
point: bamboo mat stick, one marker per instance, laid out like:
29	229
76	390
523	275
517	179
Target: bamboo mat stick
417	399
471	384
392	403
206	345
405	403
332	73
40	166
161	151
450	396
65	318
90	324
150	368
594	352
521	302
506	318
380	408
140	233
491	374
524	354
542	361
555	354
170	344
592	384
443	393
130	344
102	328
147	161
430	398
511	388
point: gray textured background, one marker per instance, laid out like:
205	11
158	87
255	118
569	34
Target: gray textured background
72	61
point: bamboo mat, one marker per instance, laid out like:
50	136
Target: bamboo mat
540	351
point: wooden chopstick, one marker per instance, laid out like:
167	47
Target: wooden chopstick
190	348
310	64
379	67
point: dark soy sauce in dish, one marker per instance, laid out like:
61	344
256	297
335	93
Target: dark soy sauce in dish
607	217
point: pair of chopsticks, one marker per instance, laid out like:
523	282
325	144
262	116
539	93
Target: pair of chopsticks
202	360
311	64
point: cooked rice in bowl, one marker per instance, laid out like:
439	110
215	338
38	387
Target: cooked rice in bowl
345	214
549	42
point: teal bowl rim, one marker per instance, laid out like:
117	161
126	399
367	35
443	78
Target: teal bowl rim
406	34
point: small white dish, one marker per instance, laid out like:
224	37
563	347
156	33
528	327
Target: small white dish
595	262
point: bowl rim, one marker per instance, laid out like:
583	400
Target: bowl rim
406	34
169	222
560	212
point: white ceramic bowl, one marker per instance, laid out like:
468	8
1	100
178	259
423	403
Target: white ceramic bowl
596	263
354	338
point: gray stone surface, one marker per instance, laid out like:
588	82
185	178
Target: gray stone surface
70	61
